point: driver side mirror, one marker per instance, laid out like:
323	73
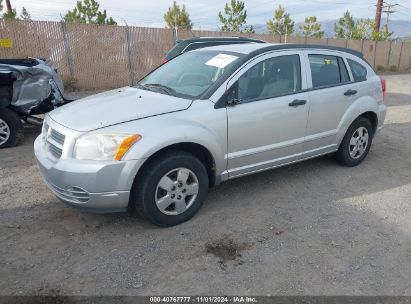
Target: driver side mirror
232	96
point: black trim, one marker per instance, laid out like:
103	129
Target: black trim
211	90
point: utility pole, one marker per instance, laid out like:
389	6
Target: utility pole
8	5
378	15
388	10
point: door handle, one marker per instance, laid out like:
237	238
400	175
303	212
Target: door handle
297	102
350	92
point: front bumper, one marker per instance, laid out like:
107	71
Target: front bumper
91	185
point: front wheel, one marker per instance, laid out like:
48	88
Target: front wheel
11	129
170	189
356	143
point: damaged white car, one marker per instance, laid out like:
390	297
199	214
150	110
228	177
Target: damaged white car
28	87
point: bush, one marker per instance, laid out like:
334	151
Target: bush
393	68
381	68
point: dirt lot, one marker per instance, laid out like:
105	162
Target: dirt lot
315	228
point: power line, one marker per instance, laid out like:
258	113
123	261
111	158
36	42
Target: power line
388	9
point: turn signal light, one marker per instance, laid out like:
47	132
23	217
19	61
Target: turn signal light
125	145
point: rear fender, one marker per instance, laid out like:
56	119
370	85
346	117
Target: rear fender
360	106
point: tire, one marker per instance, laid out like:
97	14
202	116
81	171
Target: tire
148	194
11	129
346	154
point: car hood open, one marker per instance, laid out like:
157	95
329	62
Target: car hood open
116	106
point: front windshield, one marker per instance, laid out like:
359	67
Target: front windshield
190	74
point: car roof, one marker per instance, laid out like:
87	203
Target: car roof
257	48
223	38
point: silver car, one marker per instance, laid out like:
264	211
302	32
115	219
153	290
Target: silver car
205	117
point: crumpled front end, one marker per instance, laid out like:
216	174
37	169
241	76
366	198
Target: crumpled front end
27	83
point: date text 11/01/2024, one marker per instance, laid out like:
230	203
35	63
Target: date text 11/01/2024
203	299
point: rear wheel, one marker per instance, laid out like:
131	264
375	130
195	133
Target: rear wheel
11	129
170	189
356	143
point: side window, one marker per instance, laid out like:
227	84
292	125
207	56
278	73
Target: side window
359	72
270	78
327	70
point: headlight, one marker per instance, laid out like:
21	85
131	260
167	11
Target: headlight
104	146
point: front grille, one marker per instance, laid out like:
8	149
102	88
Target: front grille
57	136
55	151
55	142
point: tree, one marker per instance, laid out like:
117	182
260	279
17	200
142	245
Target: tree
281	23
234	18
10	13
362	29
25	14
311	28
177	17
365	29
87	11
345	28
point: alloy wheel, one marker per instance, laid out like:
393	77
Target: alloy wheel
4	132
358	142
176	191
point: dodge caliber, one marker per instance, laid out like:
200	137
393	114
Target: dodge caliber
205	117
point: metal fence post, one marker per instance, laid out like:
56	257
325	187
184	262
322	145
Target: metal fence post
129	53
389	55
399	59
326	41
346	42
375	52
362	46
174	35
67	48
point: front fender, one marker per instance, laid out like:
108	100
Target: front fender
164	131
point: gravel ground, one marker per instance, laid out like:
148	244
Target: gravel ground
314	228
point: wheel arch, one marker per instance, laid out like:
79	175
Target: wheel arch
196	149
372	117
365	107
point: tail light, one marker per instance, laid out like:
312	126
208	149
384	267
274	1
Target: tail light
383	86
164	60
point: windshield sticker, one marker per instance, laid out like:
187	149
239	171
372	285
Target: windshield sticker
221	60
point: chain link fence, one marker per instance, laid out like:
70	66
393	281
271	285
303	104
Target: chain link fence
104	56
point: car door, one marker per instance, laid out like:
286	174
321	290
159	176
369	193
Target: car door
266	113
330	96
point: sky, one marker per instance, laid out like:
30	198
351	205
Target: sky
204	13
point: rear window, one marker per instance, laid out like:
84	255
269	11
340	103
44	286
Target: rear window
198	45
327	70
359	72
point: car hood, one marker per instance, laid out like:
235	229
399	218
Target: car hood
116	106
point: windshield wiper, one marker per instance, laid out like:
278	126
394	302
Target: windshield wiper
168	90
